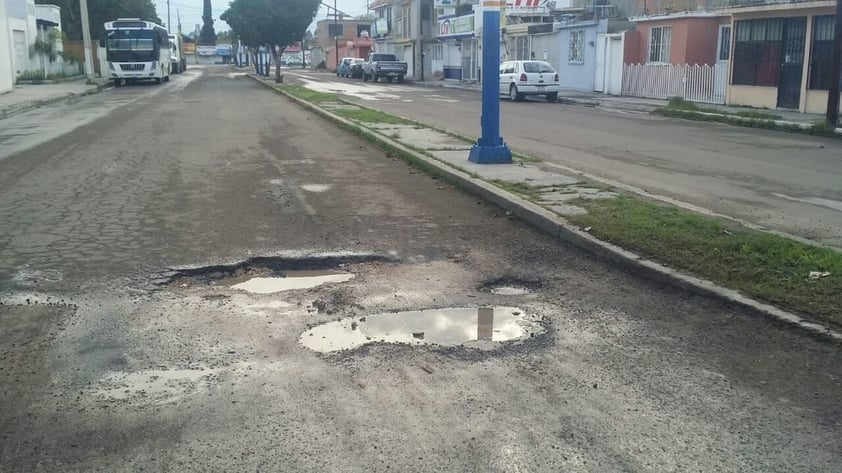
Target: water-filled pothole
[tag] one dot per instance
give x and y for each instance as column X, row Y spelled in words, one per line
column 287, row 281
column 448, row 327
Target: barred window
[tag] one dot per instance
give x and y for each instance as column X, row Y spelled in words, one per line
column 659, row 43
column 437, row 52
column 821, row 52
column 757, row 52
column 576, row 50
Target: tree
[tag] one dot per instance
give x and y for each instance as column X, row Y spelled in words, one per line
column 272, row 23
column 226, row 37
column 208, row 35
column 99, row 12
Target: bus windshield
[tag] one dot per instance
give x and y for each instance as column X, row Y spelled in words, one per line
column 130, row 45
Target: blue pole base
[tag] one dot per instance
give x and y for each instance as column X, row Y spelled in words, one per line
column 490, row 154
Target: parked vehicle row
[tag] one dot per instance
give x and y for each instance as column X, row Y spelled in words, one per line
column 378, row 66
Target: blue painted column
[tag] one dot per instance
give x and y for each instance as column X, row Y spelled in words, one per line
column 490, row 147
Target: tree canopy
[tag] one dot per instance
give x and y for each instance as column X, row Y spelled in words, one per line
column 270, row 22
column 99, row 12
column 273, row 23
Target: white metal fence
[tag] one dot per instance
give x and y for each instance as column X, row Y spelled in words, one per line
column 691, row 82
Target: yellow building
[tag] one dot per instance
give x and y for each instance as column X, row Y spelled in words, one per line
column 781, row 54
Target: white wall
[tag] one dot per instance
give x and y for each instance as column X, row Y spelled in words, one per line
column 20, row 15
column 7, row 78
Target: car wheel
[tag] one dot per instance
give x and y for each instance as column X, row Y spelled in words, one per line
column 389, row 79
column 553, row 97
column 400, row 79
column 118, row 83
column 513, row 95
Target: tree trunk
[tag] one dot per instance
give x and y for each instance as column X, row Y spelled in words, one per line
column 276, row 53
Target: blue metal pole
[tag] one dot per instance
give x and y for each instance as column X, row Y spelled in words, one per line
column 490, row 147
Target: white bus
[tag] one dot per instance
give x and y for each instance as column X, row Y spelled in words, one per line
column 137, row 50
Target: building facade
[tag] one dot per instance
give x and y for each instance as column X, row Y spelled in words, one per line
column 406, row 29
column 781, row 54
column 340, row 38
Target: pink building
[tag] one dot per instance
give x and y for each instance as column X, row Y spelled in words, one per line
column 681, row 38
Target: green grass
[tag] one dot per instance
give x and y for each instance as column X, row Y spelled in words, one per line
column 304, row 93
column 677, row 103
column 367, row 115
column 762, row 265
column 522, row 188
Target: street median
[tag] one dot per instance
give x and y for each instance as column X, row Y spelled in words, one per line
column 788, row 280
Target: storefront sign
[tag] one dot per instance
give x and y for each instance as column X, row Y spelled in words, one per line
column 529, row 7
column 460, row 25
column 206, row 50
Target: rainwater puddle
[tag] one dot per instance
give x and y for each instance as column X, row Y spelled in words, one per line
column 316, row 187
column 510, row 291
column 448, row 327
column 289, row 281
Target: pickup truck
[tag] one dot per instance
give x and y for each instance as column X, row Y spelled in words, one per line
column 381, row 65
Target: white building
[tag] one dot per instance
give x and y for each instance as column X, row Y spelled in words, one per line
column 22, row 31
column 7, row 76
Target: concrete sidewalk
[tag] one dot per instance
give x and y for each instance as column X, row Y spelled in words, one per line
column 26, row 97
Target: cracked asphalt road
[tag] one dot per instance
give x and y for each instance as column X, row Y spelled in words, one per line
column 109, row 364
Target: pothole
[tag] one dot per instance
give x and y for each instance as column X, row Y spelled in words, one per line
column 270, row 273
column 289, row 281
column 472, row 327
column 510, row 291
column 316, row 187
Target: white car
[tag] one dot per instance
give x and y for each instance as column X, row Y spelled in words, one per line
column 521, row 78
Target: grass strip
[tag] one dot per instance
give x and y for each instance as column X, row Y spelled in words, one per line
column 369, row 115
column 304, row 93
column 679, row 108
column 762, row 265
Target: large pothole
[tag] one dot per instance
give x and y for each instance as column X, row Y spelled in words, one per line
column 479, row 327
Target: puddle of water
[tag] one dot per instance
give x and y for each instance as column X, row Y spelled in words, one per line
column 510, row 291
column 449, row 327
column 315, row 187
column 290, row 281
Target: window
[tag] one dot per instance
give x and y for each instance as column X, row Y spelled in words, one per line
column 659, row 43
column 522, row 48
column 576, row 50
column 437, row 52
column 820, row 55
column 757, row 52
column 724, row 43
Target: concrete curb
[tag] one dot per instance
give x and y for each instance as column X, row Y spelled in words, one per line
column 779, row 125
column 33, row 104
column 564, row 231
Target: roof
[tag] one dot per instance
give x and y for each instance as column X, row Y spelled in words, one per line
column 677, row 16
column 378, row 3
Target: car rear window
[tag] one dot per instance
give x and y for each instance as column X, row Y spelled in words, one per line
column 383, row 57
column 537, row 67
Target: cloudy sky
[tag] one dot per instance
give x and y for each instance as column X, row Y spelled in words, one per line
column 191, row 11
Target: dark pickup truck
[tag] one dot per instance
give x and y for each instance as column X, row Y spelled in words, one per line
column 386, row 66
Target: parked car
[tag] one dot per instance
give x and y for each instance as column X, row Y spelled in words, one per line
column 357, row 68
column 383, row 66
column 344, row 69
column 521, row 78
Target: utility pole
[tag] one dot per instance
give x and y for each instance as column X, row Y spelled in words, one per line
column 86, row 39
column 832, row 116
column 336, row 38
column 169, row 18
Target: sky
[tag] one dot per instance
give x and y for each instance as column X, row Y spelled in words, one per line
column 191, row 12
